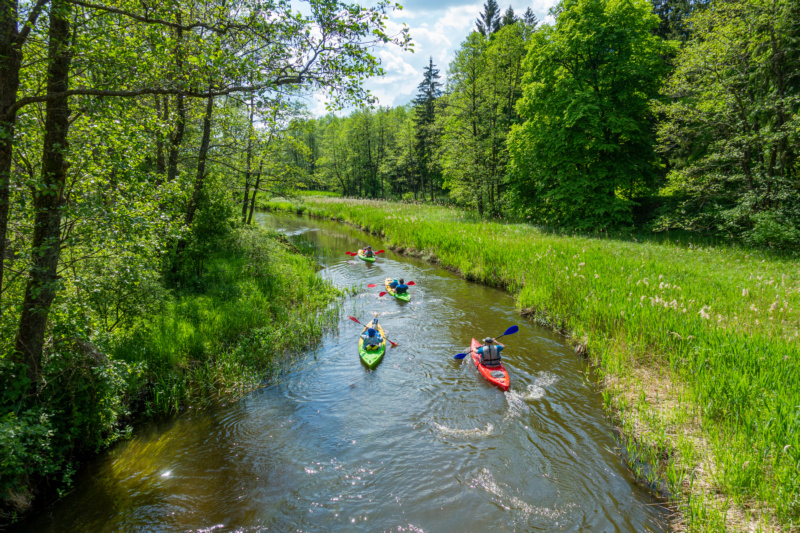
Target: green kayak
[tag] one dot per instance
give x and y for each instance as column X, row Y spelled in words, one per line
column 405, row 297
column 364, row 257
column 371, row 358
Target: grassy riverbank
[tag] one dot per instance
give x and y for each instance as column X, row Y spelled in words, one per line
column 697, row 345
column 221, row 329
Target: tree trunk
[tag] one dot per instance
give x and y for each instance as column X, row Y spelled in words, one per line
column 48, row 199
column 11, row 54
column 180, row 106
column 249, row 159
column 161, row 163
column 191, row 209
column 255, row 190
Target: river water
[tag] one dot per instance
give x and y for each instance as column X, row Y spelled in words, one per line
column 421, row 443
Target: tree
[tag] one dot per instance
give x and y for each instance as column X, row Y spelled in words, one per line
column 529, row 19
column 489, row 21
column 429, row 90
column 509, row 17
column 586, row 149
column 731, row 126
column 484, row 83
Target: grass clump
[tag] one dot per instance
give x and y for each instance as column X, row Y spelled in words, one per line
column 718, row 324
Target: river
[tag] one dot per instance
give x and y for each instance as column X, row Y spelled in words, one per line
column 421, row 443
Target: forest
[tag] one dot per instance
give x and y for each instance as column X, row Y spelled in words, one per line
column 632, row 116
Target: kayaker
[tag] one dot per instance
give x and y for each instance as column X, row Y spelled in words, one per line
column 393, row 284
column 490, row 352
column 368, row 252
column 401, row 287
column 370, row 334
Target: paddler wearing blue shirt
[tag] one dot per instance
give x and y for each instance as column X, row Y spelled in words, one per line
column 401, row 287
column 490, row 352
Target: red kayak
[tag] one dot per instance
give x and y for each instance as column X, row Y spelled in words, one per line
column 496, row 375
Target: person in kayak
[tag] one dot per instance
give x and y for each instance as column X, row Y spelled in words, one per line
column 393, row 285
column 370, row 335
column 490, row 352
column 401, row 287
column 368, row 252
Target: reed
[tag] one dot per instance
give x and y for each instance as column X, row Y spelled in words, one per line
column 696, row 343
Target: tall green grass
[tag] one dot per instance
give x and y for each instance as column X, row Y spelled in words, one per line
column 721, row 321
column 231, row 329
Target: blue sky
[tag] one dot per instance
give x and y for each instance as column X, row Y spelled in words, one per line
column 437, row 30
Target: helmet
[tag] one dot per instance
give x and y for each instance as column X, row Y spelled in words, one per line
column 372, row 332
column 369, row 247
column 487, row 340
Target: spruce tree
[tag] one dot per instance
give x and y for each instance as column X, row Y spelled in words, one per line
column 509, row 17
column 489, row 21
column 529, row 19
column 430, row 89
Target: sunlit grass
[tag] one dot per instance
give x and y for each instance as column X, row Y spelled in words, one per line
column 231, row 329
column 722, row 320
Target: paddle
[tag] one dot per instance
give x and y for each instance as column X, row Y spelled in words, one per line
column 509, row 331
column 355, row 254
column 354, row 319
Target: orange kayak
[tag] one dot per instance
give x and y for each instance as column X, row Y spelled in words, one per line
column 496, row 375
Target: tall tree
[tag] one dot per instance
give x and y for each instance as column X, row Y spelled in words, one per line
column 529, row 19
column 586, row 149
column 429, row 90
column 509, row 17
column 489, row 21
column 12, row 40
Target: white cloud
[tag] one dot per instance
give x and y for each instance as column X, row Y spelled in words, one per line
column 437, row 30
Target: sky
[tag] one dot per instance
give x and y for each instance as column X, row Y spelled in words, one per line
column 437, row 30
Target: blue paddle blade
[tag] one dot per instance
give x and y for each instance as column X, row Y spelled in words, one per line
column 460, row 356
column 512, row 329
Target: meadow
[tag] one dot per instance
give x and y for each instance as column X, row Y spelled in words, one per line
column 696, row 345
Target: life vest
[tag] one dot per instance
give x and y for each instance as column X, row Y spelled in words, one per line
column 401, row 289
column 490, row 355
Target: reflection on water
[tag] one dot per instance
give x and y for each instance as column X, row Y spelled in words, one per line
column 422, row 443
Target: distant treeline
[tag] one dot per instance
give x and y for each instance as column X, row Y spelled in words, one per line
column 676, row 114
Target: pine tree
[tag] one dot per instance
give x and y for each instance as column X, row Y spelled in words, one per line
column 430, row 89
column 489, row 21
column 509, row 17
column 529, row 19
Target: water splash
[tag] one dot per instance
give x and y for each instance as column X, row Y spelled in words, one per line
column 464, row 433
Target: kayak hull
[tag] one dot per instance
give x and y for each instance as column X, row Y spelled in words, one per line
column 371, row 358
column 496, row 375
column 364, row 257
column 402, row 297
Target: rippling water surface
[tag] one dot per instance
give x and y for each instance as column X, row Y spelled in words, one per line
column 422, row 443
